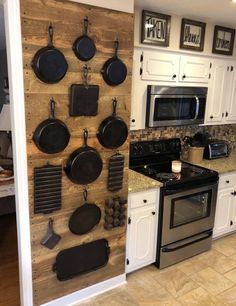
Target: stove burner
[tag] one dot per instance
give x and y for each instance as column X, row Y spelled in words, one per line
column 163, row 176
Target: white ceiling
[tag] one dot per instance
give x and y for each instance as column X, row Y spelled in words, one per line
column 222, row 12
column 2, row 29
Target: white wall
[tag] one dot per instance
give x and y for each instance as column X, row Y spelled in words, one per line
column 118, row 5
column 175, row 35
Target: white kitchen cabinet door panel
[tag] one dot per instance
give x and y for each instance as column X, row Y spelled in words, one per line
column 216, row 93
column 142, row 234
column 194, row 69
column 160, row 67
column 230, row 108
column 224, row 211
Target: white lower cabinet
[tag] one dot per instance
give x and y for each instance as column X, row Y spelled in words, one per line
column 225, row 216
column 142, row 229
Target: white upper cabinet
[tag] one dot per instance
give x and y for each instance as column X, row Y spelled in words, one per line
column 221, row 99
column 174, row 68
column 160, row 66
column 194, row 69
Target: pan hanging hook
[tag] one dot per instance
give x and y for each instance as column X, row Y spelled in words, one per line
column 85, row 75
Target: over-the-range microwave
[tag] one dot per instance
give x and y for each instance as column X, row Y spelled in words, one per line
column 171, row 106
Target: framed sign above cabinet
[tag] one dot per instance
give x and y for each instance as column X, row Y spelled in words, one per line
column 223, row 41
column 155, row 29
column 192, row 35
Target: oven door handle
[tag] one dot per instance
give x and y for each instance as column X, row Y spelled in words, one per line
column 197, row 108
column 173, row 249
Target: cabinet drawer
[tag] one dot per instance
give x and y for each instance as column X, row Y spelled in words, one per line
column 227, row 180
column 140, row 199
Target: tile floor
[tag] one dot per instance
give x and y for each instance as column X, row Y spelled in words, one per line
column 208, row 279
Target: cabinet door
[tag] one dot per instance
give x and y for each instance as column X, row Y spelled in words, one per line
column 224, row 210
column 216, row 92
column 194, row 69
column 230, row 108
column 142, row 236
column 160, row 67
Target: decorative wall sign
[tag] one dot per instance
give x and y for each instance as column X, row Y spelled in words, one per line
column 192, row 35
column 223, row 41
column 155, row 29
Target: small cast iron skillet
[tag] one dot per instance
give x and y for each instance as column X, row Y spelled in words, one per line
column 113, row 131
column 114, row 71
column 84, row 218
column 51, row 135
column 84, row 165
column 84, row 47
column 49, row 63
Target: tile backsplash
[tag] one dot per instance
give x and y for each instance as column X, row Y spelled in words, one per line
column 222, row 132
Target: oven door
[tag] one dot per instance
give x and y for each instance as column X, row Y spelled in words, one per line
column 176, row 110
column 187, row 213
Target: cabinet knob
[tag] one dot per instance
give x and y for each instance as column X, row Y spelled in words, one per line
column 133, row 120
column 184, row 76
column 226, row 114
column 231, row 68
column 227, row 182
column 211, row 117
column 233, row 193
column 144, row 201
column 223, row 115
column 153, row 212
column 174, row 76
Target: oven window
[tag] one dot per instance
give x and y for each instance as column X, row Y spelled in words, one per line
column 174, row 108
column 190, row 208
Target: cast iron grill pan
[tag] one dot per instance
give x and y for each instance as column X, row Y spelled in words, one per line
column 47, row 189
column 81, row 259
column 83, row 100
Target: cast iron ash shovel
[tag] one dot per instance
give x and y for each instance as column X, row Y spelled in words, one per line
column 51, row 238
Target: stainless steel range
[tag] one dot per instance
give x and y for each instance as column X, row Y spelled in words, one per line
column 187, row 200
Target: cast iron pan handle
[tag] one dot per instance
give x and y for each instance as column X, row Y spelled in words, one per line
column 50, row 35
column 52, row 108
column 85, row 194
column 114, row 105
column 85, row 137
column 86, row 23
column 116, row 42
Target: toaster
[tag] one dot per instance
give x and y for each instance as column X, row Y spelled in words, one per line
column 216, row 149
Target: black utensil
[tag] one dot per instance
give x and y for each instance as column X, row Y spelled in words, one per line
column 84, row 97
column 49, row 64
column 51, row 136
column 114, row 71
column 84, row 218
column 84, row 47
column 47, row 189
column 51, row 238
column 113, row 131
column 84, row 164
column 81, row 259
column 115, row 172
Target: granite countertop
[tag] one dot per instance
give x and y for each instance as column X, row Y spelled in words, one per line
column 221, row 165
column 139, row 182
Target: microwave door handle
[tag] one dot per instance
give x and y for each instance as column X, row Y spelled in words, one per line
column 197, row 108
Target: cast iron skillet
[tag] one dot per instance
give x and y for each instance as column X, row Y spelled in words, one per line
column 49, row 64
column 51, row 135
column 113, row 131
column 84, row 165
column 114, row 71
column 84, row 47
column 85, row 217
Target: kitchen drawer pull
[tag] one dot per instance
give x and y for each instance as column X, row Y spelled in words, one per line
column 227, row 182
column 233, row 193
column 184, row 76
column 153, row 212
column 174, row 76
column 144, row 201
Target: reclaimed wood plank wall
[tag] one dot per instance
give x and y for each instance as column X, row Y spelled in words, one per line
column 106, row 25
